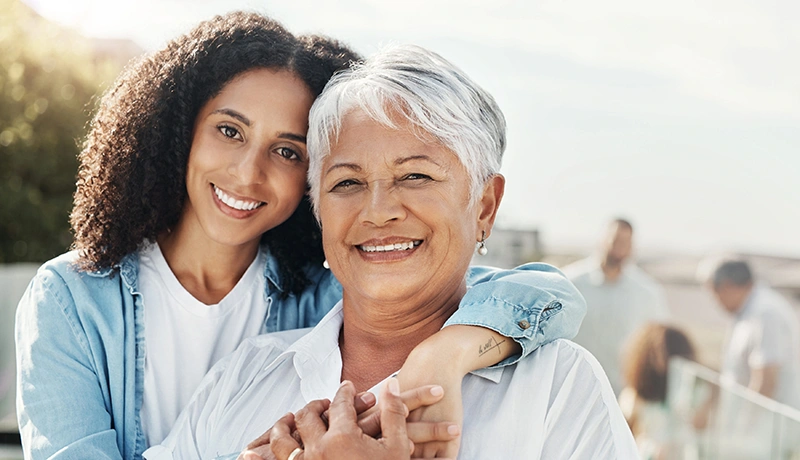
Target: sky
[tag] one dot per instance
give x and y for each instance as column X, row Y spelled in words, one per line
column 682, row 116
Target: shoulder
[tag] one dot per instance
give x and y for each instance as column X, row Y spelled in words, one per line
column 59, row 289
column 261, row 350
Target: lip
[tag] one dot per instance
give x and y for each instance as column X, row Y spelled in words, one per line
column 388, row 256
column 232, row 212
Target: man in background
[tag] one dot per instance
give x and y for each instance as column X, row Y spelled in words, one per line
column 620, row 299
column 762, row 347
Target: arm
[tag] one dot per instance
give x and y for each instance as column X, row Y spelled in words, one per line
column 505, row 315
column 532, row 304
column 61, row 401
column 764, row 379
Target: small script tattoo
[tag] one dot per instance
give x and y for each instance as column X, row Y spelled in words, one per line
column 490, row 345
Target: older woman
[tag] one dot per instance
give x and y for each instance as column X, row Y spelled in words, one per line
column 405, row 152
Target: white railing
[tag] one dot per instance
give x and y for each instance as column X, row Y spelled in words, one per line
column 715, row 418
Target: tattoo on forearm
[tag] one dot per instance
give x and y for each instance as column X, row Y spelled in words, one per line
column 490, row 345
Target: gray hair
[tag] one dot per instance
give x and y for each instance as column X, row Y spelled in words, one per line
column 733, row 271
column 436, row 97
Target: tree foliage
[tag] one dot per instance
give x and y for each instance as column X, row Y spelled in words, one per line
column 48, row 82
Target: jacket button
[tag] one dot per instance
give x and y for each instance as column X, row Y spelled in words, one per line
column 524, row 324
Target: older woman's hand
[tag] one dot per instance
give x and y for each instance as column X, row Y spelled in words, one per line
column 343, row 438
column 369, row 422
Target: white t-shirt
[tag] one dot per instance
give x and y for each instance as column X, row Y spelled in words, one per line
column 614, row 311
column 766, row 332
column 554, row 404
column 184, row 337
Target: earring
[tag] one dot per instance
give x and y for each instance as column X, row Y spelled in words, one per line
column 325, row 264
column 482, row 244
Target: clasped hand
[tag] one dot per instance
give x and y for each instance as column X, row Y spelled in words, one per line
column 347, row 429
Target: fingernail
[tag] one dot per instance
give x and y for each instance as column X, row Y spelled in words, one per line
column 437, row 390
column 453, row 430
column 368, row 398
column 344, row 382
column 394, row 387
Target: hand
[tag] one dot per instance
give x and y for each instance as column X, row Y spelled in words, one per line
column 369, row 421
column 344, row 439
column 445, row 358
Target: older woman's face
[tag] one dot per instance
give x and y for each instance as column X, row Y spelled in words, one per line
column 395, row 213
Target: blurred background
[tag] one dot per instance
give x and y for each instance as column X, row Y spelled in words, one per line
column 683, row 117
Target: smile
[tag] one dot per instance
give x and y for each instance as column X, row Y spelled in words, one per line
column 241, row 205
column 391, row 247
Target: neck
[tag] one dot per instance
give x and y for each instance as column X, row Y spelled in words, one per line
column 611, row 271
column 377, row 337
column 208, row 274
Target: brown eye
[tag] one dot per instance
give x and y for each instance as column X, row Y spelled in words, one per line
column 229, row 131
column 288, row 153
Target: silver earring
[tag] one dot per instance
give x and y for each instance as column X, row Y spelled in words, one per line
column 482, row 244
column 325, row 264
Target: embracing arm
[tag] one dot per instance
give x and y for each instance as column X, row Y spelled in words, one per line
column 504, row 316
column 61, row 407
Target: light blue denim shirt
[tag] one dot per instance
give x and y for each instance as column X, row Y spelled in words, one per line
column 81, row 349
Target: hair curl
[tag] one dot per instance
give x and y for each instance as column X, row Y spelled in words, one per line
column 647, row 359
column 131, row 183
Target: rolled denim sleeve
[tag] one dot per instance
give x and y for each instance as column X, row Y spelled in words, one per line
column 56, row 381
column 533, row 304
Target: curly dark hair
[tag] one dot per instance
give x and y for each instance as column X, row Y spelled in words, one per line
column 131, row 183
column 647, row 359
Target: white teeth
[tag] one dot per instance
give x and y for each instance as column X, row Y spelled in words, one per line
column 234, row 203
column 391, row 247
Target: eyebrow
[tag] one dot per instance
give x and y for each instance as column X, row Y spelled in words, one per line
column 234, row 114
column 351, row 166
column 422, row 157
column 292, row 137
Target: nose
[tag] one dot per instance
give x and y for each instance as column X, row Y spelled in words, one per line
column 382, row 204
column 249, row 166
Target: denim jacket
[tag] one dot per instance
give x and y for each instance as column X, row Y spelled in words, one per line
column 81, row 349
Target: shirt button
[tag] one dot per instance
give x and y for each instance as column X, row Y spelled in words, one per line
column 524, row 324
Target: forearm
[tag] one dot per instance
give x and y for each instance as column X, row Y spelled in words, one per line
column 764, row 380
column 532, row 304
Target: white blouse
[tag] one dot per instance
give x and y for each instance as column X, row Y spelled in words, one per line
column 555, row 404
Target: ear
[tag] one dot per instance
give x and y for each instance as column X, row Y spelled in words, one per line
column 490, row 203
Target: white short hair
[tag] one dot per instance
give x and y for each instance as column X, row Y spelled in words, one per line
column 429, row 92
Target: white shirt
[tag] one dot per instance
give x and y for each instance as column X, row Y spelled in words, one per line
column 555, row 404
column 614, row 311
column 765, row 332
column 185, row 337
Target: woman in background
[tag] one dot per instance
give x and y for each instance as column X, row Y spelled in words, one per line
column 643, row 400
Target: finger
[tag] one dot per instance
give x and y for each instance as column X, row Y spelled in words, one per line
column 364, row 401
column 415, row 398
column 422, row 396
column 393, row 417
column 309, row 421
column 281, row 441
column 260, row 441
column 342, row 413
column 422, row 432
column 258, row 453
column 371, row 424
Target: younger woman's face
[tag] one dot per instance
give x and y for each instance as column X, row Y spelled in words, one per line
column 247, row 165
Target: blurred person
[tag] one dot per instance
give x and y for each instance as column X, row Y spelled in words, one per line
column 193, row 232
column 643, row 400
column 620, row 299
column 762, row 347
column 405, row 152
